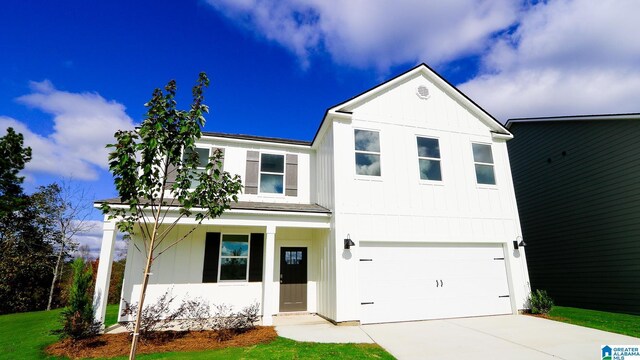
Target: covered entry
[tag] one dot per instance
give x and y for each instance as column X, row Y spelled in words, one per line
column 403, row 282
column 293, row 279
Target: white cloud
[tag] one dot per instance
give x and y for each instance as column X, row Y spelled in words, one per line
column 551, row 58
column 565, row 58
column 93, row 240
column 83, row 124
column 375, row 33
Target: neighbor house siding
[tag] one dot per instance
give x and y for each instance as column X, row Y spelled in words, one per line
column 577, row 186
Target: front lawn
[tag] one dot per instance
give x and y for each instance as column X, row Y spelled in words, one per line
column 614, row 322
column 282, row 348
column 24, row 336
column 112, row 315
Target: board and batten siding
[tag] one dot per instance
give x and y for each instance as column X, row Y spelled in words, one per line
column 239, row 153
column 399, row 207
column 577, row 185
column 323, row 194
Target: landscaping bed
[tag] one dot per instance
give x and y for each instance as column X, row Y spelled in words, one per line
column 113, row 345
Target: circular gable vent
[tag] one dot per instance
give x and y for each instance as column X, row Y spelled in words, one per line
column 422, row 92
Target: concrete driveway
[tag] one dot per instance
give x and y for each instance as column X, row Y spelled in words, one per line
column 493, row 337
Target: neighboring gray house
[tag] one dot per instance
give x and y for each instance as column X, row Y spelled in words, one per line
column 577, row 184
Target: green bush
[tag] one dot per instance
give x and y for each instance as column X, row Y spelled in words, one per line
column 77, row 317
column 540, row 301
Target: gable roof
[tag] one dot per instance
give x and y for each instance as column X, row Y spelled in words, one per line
column 346, row 107
column 595, row 117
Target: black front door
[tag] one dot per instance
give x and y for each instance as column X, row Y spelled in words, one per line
column 293, row 279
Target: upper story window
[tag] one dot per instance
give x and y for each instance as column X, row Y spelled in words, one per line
column 203, row 160
column 429, row 159
column 483, row 161
column 367, row 146
column 234, row 257
column 272, row 173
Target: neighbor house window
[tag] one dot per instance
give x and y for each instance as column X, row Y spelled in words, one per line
column 234, row 257
column 483, row 161
column 367, row 146
column 429, row 159
column 203, row 160
column 272, row 173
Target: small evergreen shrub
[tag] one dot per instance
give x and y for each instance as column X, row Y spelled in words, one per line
column 540, row 302
column 77, row 317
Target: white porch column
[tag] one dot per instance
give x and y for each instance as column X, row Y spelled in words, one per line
column 103, row 277
column 268, row 286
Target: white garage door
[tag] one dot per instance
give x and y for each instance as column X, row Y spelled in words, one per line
column 417, row 281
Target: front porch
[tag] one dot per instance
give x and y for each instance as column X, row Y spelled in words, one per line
column 268, row 257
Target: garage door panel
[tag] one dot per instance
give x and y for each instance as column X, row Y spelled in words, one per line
column 418, row 281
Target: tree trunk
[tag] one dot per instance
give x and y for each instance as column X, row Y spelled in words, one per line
column 136, row 330
column 55, row 277
column 145, row 282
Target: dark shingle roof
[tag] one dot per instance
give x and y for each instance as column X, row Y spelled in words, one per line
column 257, row 138
column 258, row 206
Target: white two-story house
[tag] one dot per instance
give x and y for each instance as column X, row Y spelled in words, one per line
column 401, row 208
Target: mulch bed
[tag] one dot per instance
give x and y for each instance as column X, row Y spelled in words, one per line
column 112, row 345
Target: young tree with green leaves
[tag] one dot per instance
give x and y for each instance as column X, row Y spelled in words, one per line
column 155, row 169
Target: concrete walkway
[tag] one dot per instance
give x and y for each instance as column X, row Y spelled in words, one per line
column 493, row 337
column 313, row 328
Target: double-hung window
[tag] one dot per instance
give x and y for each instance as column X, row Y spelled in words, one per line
column 203, row 160
column 272, row 173
column 483, row 161
column 429, row 159
column 367, row 148
column 234, row 257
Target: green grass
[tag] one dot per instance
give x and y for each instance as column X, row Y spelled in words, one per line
column 112, row 315
column 614, row 322
column 25, row 335
column 283, row 348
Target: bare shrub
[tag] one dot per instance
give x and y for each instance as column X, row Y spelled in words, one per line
column 197, row 315
column 155, row 317
column 247, row 318
column 192, row 314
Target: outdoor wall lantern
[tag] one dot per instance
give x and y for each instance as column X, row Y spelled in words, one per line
column 348, row 243
column 517, row 243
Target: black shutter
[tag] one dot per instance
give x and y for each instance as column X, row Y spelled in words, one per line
column 256, row 254
column 211, row 258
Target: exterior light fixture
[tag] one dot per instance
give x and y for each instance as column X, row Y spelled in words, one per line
column 518, row 242
column 348, row 243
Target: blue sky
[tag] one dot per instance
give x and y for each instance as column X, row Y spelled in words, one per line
column 75, row 71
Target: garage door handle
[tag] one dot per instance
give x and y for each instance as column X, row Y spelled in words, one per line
column 503, row 296
column 440, row 284
column 366, row 303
